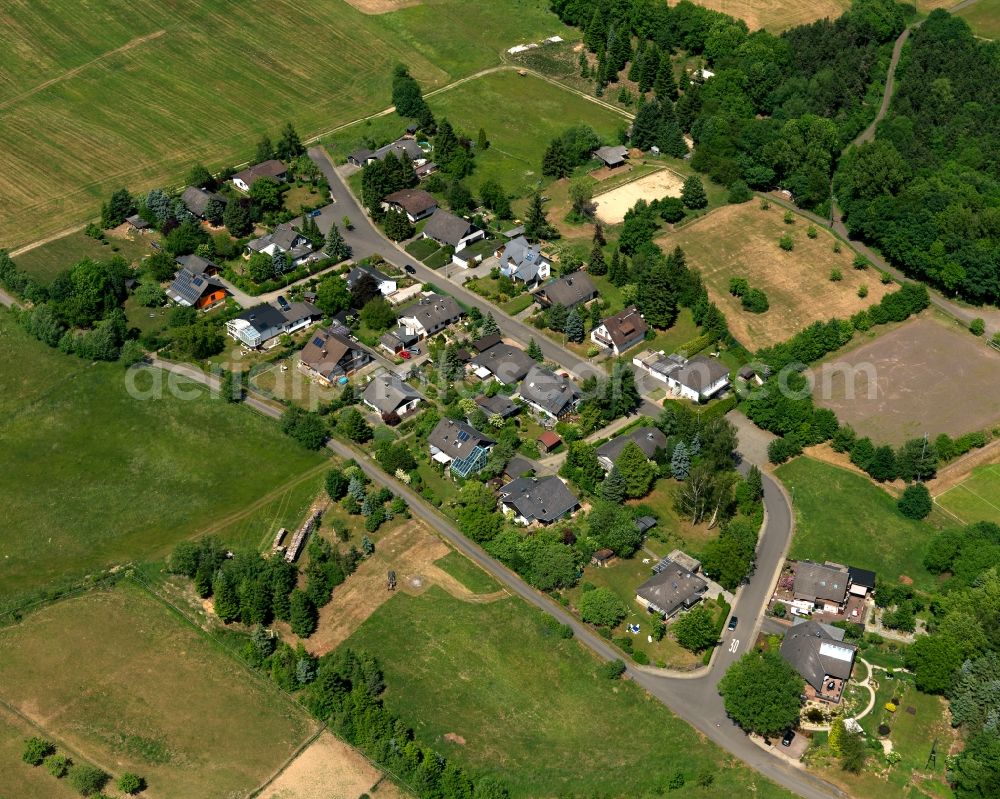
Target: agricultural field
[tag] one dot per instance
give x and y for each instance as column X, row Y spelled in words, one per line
column 983, row 17
column 778, row 15
column 115, row 95
column 926, row 376
column 841, row 516
column 96, row 477
column 129, row 686
column 976, row 498
column 20, row 780
column 742, row 241
column 475, row 681
column 48, row 260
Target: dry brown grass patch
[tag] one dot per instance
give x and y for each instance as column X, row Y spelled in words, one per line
column 777, row 15
column 612, row 205
column 382, row 6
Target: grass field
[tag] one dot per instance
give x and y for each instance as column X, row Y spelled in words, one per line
column 777, row 15
column 92, row 101
column 48, row 260
column 925, row 376
column 486, row 674
column 130, row 686
column 841, row 516
column 19, row 779
column 467, row 573
column 95, row 477
column 984, row 18
column 742, row 241
column 976, row 498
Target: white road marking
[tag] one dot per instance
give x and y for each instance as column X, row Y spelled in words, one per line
column 734, row 645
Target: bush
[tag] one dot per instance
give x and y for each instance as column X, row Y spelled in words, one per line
column 87, row 779
column 755, row 301
column 781, row 449
column 915, row 503
column 811, row 232
column 602, row 608
column 612, row 670
column 836, row 275
column 739, row 192
column 58, row 765
column 130, row 783
column 863, row 290
column 977, row 327
column 860, row 262
column 36, row 750
column 786, row 243
column 789, row 218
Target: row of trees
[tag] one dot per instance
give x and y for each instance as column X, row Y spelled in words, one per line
column 85, row 779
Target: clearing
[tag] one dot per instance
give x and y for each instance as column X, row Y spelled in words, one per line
column 778, row 15
column 48, row 260
column 118, row 103
column 926, row 376
column 382, row 6
column 983, row 17
column 843, row 517
column 976, row 498
column 611, row 206
column 742, row 241
column 412, row 551
column 485, row 674
column 130, row 686
column 96, row 477
column 331, row 769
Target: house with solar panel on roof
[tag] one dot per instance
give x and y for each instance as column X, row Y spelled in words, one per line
column 460, row 446
column 820, row 654
column 330, row 357
column 195, row 285
column 262, row 326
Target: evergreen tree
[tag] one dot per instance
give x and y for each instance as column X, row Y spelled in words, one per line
column 669, row 138
column 336, row 247
column 755, row 483
column 265, row 150
column 646, row 126
column 693, row 193
column 636, row 469
column 303, row 616
column 648, row 68
column 615, row 274
column 657, row 300
column 490, row 326
column 555, row 161
column 695, row 446
column 664, row 85
column 446, row 144
column 597, row 265
column 613, row 486
column 397, row 226
column 635, row 67
column 883, row 464
column 556, row 316
column 915, row 503
column 534, row 351
column 289, row 145
column 596, row 32
column 574, row 326
column 680, row 462
column 481, row 141
column 598, row 237
column 238, row 217
column 225, row 598
column 536, row 225
column 584, row 65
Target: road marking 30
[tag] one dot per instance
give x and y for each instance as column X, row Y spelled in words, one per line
column 734, row 645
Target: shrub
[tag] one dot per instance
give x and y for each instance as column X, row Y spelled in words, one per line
column 602, row 608
column 36, row 750
column 738, row 286
column 755, row 301
column 58, row 765
column 836, row 246
column 863, row 290
column 781, row 449
column 811, row 232
column 977, row 327
column 789, row 218
column 860, row 262
column 886, row 278
column 764, row 204
column 130, row 783
column 786, row 243
column 739, row 192
column 612, row 670
column 915, row 503
column 87, row 779
column 836, row 275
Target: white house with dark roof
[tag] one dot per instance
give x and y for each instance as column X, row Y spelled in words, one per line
column 696, row 379
column 261, row 326
column 819, row 653
column 502, row 362
column 451, row 231
column 620, row 332
column 386, row 285
column 521, row 261
column 417, row 204
column 537, row 500
column 430, row 314
column 460, row 446
column 388, row 393
column 672, row 588
column 571, row 290
column 648, row 439
column 330, row 356
column 197, row 200
column 550, row 395
column 272, row 169
column 284, row 239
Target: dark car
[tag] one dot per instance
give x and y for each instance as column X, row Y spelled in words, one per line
column 283, row 304
column 733, row 622
column 787, row 738
column 409, row 270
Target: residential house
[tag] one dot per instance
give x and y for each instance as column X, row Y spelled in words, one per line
column 429, row 315
column 198, row 265
column 693, row 565
column 425, row 170
column 388, row 393
column 386, row 285
column 285, row 239
column 862, row 581
column 498, row 405
column 571, row 290
column 330, row 356
column 460, row 445
column 621, row 332
column 505, row 363
column 820, row 654
column 821, row 586
column 397, row 340
column 549, row 394
column 361, row 156
column 261, row 326
column 540, row 500
column 648, row 439
column 671, row 588
column 196, row 200
column 524, row 262
column 518, row 466
column 697, row 379
column 404, row 145
column 196, row 289
column 417, row 204
column 273, row 169
column 453, row 231
column 612, row 156
column 484, row 343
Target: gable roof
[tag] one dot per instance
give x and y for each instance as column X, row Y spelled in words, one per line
column 358, row 272
column 648, row 439
column 284, row 238
column 507, row 363
column 409, row 147
column 612, row 155
column 188, row 287
column 526, row 258
column 197, row 199
column 387, row 391
column 518, row 466
column 672, row 588
column 548, row 390
column 569, row 290
column 433, row 311
column 498, row 403
column 700, row 373
column 820, row 581
column 446, row 228
column 456, row 439
column 817, row 651
column 326, row 349
column 626, row 326
column 542, row 499
column 269, row 316
column 197, row 264
column 414, row 201
column 485, row 342
column 266, row 169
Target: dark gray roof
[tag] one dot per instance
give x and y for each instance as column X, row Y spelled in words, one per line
column 817, row 651
column 266, row 169
column 819, row 581
column 362, row 155
column 387, row 391
column 612, row 155
column 645, row 523
column 498, row 404
column 699, row 373
column 407, row 146
column 188, row 286
column 358, row 271
column 569, row 290
column 861, row 577
column 456, row 439
column 434, row 311
column 484, row 343
column 548, row 390
column 672, row 588
column 542, row 499
column 446, row 228
column 522, row 258
column 195, row 263
column 398, row 338
column 649, row 439
column 197, row 200
column 137, row 222
column 518, row 466
column 507, row 363
column 268, row 316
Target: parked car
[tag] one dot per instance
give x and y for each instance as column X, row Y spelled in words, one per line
column 315, row 213
column 283, row 304
column 787, row 738
column 732, row 623
column 413, row 350
column 404, row 354
column 409, row 269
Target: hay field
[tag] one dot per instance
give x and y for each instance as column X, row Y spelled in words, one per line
column 132, row 93
column 742, row 241
column 130, row 686
column 777, row 15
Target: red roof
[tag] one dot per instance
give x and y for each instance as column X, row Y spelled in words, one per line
column 548, row 439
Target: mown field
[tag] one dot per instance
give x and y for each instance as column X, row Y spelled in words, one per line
column 983, row 17
column 742, row 241
column 777, row 15
column 131, row 93
column 48, row 260
column 485, row 673
column 976, row 498
column 841, row 516
column 94, row 477
column 130, row 686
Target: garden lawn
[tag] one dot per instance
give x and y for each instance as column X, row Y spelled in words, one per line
column 487, row 673
column 131, row 686
column 119, row 103
column 673, row 530
column 48, row 260
column 841, row 516
column 94, row 477
column 467, row 573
